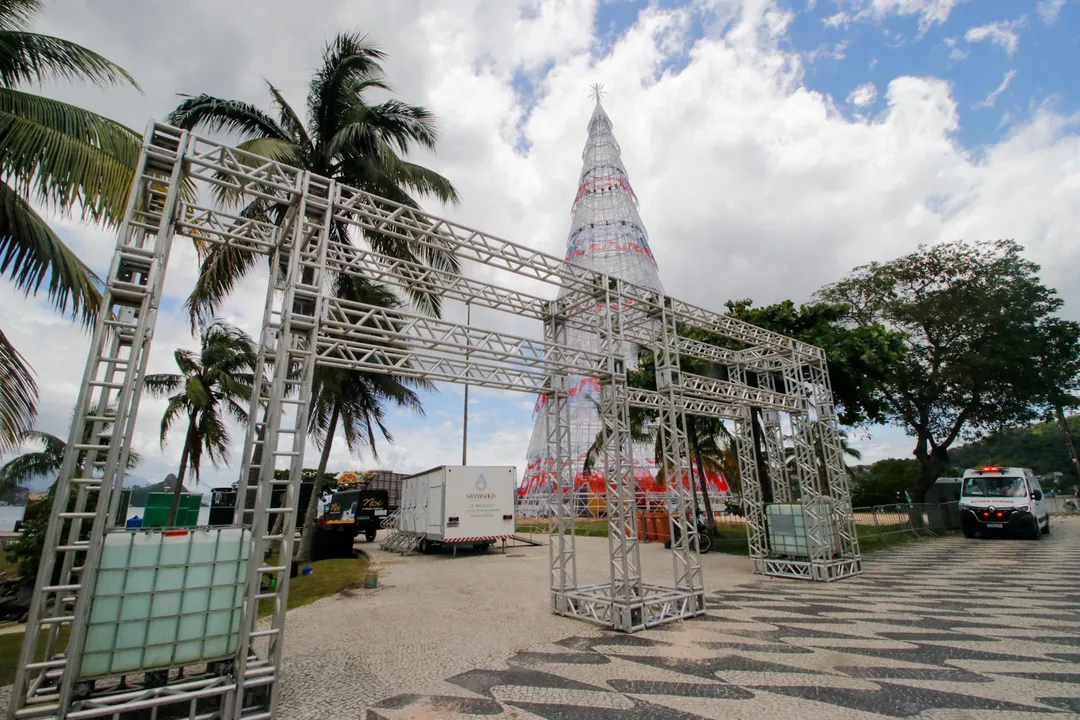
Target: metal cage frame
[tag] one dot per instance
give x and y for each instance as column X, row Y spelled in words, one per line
column 304, row 324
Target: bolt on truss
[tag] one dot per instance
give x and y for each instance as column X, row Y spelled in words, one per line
column 774, row 388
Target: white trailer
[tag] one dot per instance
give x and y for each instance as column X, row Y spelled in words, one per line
column 459, row 505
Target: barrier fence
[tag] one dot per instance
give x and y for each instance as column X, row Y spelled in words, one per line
column 875, row 525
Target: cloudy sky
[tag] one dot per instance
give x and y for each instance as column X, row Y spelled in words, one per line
column 773, row 144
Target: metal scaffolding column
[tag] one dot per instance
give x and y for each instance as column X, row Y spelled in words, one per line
column 289, row 355
column 95, row 458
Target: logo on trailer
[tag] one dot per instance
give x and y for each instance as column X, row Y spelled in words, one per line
column 481, row 483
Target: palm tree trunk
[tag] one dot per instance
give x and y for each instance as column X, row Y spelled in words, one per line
column 1059, row 414
column 695, row 446
column 304, row 554
column 192, row 436
column 760, row 461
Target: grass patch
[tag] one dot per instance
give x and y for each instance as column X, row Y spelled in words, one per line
column 11, row 646
column 329, row 577
column 583, row 527
column 6, row 566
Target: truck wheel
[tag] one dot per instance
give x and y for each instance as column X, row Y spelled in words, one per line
column 482, row 547
column 370, row 535
column 423, row 547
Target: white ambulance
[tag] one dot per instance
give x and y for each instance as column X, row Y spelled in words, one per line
column 1003, row 500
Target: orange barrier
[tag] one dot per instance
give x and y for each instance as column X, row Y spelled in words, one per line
column 663, row 527
column 656, row 526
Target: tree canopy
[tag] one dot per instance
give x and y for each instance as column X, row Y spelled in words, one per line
column 859, row 356
column 65, row 159
column 975, row 318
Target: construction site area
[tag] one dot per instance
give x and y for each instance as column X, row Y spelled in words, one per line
column 613, row 575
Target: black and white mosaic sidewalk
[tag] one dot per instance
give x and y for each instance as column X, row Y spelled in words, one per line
column 946, row 629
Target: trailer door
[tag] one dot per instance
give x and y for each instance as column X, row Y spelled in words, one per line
column 435, row 503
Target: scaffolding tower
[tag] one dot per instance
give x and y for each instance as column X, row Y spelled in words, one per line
column 518, row 341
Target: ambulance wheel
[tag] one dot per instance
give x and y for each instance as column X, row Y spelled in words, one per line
column 1046, row 530
column 482, row 547
column 370, row 535
column 1034, row 532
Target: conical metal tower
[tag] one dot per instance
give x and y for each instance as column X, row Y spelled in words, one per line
column 606, row 235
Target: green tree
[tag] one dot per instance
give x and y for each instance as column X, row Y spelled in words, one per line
column 347, row 138
column 1060, row 365
column 973, row 317
column 859, row 356
column 212, row 385
column 63, row 158
column 355, row 402
column 884, row 482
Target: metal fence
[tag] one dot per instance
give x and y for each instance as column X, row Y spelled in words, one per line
column 1057, row 504
column 884, row 523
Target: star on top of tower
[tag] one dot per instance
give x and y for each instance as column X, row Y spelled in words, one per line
column 598, row 91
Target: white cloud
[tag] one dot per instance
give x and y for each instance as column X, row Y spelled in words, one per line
column 993, row 96
column 929, row 12
column 751, row 185
column 863, row 95
column 1049, row 10
column 1002, row 33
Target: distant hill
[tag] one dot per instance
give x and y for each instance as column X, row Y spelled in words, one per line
column 1038, row 446
column 14, row 496
column 139, row 494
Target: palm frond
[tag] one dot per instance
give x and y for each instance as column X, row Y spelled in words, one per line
column 162, row 384
column 27, row 468
column 18, row 396
column 401, row 125
column 349, row 58
column 232, row 116
column 283, row 151
column 222, row 268
column 31, row 58
column 65, row 156
column 30, row 251
column 177, row 408
column 289, row 120
column 422, row 181
column 214, row 436
column 33, row 465
column 237, row 411
column 18, row 14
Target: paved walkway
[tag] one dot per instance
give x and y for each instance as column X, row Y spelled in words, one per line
column 945, row 630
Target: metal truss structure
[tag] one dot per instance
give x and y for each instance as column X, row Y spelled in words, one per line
column 783, row 381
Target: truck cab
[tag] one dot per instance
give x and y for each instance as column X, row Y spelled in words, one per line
column 1002, row 500
column 350, row 513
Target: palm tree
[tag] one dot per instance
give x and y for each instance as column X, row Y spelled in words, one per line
column 354, row 400
column 44, row 463
column 346, row 139
column 60, row 157
column 212, row 385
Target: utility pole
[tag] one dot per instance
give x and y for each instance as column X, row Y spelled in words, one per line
column 465, row 410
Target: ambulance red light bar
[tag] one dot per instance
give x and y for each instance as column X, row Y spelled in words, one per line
column 990, row 468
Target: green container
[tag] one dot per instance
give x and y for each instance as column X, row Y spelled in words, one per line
column 159, row 504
